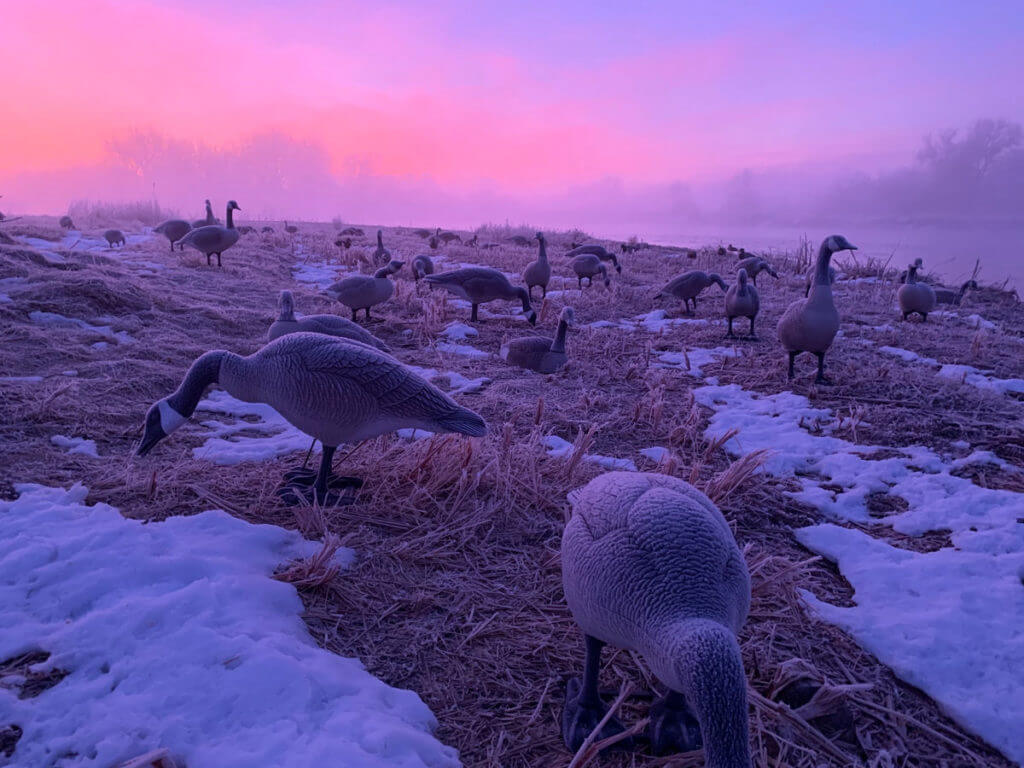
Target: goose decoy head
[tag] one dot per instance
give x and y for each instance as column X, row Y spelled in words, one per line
column 539, row 236
column 714, row 277
column 741, row 276
column 161, row 420
column 568, row 315
column 286, row 304
column 233, row 205
column 839, row 243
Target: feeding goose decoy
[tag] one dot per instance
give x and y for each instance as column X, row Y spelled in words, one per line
column 210, row 218
column 363, row 291
column 519, row 240
column 114, row 237
column 539, row 353
column 538, row 272
column 446, row 237
column 587, row 265
column 811, row 324
column 755, row 265
column 650, row 565
column 422, row 266
column 66, row 222
column 331, row 325
column 596, row 250
column 915, row 297
column 689, row 285
column 174, row 230
column 335, row 390
column 213, row 238
column 741, row 300
column 949, row 296
column 479, row 285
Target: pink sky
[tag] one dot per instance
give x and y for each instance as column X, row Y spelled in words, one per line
column 517, row 99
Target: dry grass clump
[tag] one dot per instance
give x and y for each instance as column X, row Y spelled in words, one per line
column 95, row 214
column 77, row 294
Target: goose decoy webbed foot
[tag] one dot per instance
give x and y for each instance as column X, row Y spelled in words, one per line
column 673, row 728
column 581, row 716
column 299, row 487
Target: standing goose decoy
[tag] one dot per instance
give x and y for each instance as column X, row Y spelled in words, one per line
column 330, row 325
column 949, row 296
column 291, row 229
column 915, row 297
column 335, row 390
column 114, row 237
column 689, row 285
column 596, row 250
column 424, row 233
column 433, row 243
column 811, row 324
column 479, row 285
column 538, row 272
column 210, row 218
column 362, row 291
column 174, row 230
column 809, row 279
column 422, row 266
column 650, row 565
column 754, row 266
column 539, row 353
column 587, row 265
column 66, row 222
column 741, row 300
column 213, row 238
column 519, row 240
column 446, row 236
column 381, row 255
column 472, row 242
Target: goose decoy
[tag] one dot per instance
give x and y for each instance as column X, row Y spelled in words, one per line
column 519, row 240
column 689, row 285
column 733, row 249
column 490, row 246
column 538, row 272
column 472, row 242
column 210, row 218
column 915, row 297
column 596, row 250
column 741, row 300
column 721, row 250
column 362, row 291
column 344, row 242
column 424, row 233
column 586, row 266
column 114, row 237
column 335, row 390
column 949, row 296
column 174, row 230
column 354, row 231
column 213, row 238
column 267, row 230
column 809, row 279
column 446, row 237
column 291, row 229
column 755, row 265
column 811, row 324
column 245, row 229
column 539, row 353
column 650, row 565
column 331, row 325
column 422, row 266
column 66, row 222
column 433, row 243
column 381, row 255
column 479, row 285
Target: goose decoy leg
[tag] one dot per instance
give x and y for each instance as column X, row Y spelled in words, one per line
column 218, row 260
column 583, row 706
column 792, row 357
column 730, row 334
column 209, row 262
column 472, row 317
column 751, row 335
column 820, row 378
column 367, row 313
column 304, row 486
column 673, row 728
column 355, row 315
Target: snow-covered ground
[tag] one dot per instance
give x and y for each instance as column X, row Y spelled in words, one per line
column 174, row 635
column 654, row 321
column 950, row 622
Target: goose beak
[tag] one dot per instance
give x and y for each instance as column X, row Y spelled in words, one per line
column 149, row 439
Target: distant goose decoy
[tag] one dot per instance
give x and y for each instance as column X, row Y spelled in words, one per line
column 114, row 237
column 362, row 291
column 291, row 229
column 433, row 243
column 587, row 265
column 538, row 272
column 330, row 325
column 949, row 296
column 539, row 353
column 809, row 279
column 213, row 238
column 915, row 297
column 267, row 230
column 335, row 390
column 479, row 285
column 472, row 242
column 811, row 324
column 66, row 222
column 355, row 231
column 174, row 230
column 446, row 237
column 422, row 266
column 519, row 240
column 245, row 229
column 755, row 265
column 424, row 233
column 650, row 565
column 344, row 242
column 381, row 255
column 210, row 218
column 741, row 300
column 689, row 285
column 596, row 250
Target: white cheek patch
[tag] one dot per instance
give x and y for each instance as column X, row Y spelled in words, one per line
column 170, row 419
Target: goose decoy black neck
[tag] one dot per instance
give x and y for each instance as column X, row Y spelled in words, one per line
column 173, row 411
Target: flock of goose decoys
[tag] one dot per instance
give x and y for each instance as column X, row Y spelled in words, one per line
column 649, row 563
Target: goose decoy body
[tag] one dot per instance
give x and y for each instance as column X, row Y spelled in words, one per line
column 210, row 218
column 114, row 237
column 811, row 324
column 354, row 231
column 915, row 297
column 344, row 242
column 479, row 285
column 949, row 296
column 446, row 236
column 587, row 265
column 424, row 233
column 538, row 272
column 213, row 238
column 381, row 255
column 690, row 284
column 362, row 291
column 596, row 250
column 539, row 353
column 519, row 240
column 174, row 230
column 335, row 390
column 291, row 229
column 490, row 246
column 267, row 230
column 809, row 279
column 755, row 265
column 331, row 325
column 650, row 565
column 472, row 242
column 741, row 300
column 422, row 266
column 66, row 222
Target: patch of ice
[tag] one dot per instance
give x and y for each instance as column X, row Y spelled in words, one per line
column 693, row 361
column 99, row 345
column 968, row 374
column 69, row 372
column 5, row 299
column 977, row 321
column 414, row 434
column 60, row 321
column 461, row 349
column 175, row 635
column 76, row 445
column 655, row 453
column 457, row 331
column 21, row 378
column 560, row 448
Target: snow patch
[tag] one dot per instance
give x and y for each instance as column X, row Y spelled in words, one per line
column 76, row 445
column 60, row 321
column 461, row 349
column 560, row 448
column 694, row 360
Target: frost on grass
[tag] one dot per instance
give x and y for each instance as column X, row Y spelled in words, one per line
column 76, row 445
column 560, row 448
column 175, row 635
column 946, row 621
